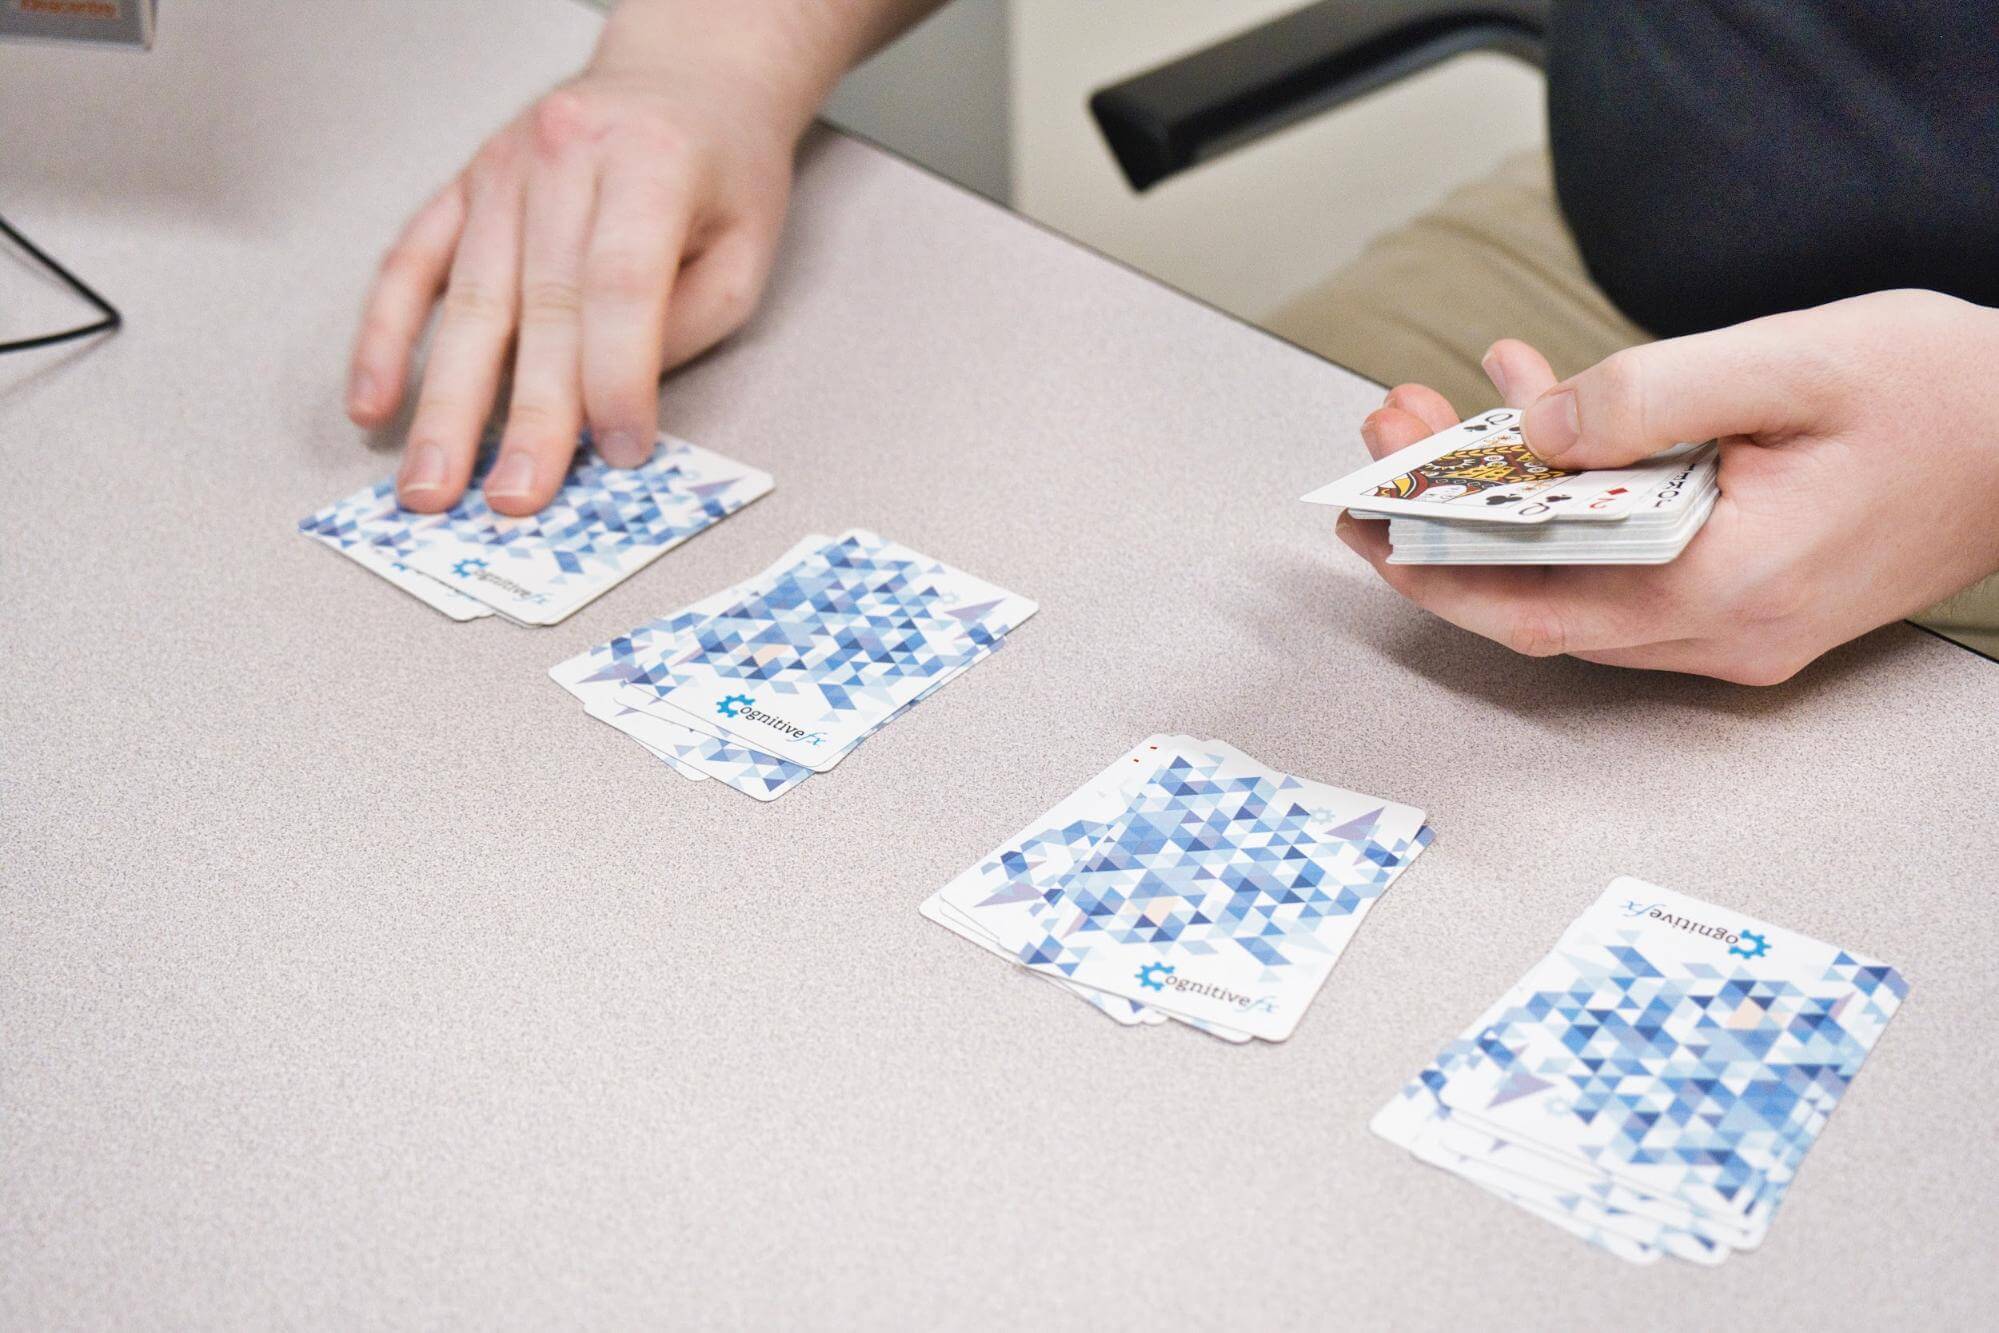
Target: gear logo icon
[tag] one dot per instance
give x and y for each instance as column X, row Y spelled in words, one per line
column 1152, row 975
column 1742, row 947
column 734, row 704
column 467, row 567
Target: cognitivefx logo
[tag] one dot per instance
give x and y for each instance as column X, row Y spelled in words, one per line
column 1743, row 944
column 1750, row 937
column 744, row 707
column 471, row 567
column 1164, row 976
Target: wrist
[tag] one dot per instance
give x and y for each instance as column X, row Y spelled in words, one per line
column 781, row 57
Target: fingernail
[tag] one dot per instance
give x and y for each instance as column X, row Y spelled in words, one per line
column 1552, row 424
column 621, row 448
column 512, row 478
column 1494, row 371
column 361, row 390
column 1370, row 435
column 1344, row 528
column 424, row 469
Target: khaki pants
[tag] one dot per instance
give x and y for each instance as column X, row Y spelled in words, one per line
column 1496, row 261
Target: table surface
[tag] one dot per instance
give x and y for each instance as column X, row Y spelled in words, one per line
column 348, row 973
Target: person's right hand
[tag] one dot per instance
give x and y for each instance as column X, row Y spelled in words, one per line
column 620, row 225
column 1859, row 479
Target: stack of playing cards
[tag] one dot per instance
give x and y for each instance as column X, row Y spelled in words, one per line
column 1652, row 1084
column 782, row 676
column 603, row 526
column 1476, row 495
column 1188, row 881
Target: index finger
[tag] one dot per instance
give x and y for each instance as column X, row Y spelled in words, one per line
column 412, row 273
column 467, row 353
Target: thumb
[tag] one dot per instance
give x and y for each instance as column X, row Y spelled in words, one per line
column 1747, row 379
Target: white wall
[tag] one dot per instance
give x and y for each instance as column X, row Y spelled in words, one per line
column 941, row 96
column 1252, row 228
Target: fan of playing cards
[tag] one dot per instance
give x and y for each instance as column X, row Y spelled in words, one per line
column 1188, row 881
column 1652, row 1084
column 603, row 526
column 1476, row 495
column 784, row 675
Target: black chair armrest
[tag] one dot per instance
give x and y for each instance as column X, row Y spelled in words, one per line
column 1209, row 103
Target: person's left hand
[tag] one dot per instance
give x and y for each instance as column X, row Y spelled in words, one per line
column 1859, row 484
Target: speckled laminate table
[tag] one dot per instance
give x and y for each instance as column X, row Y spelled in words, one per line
column 350, row 976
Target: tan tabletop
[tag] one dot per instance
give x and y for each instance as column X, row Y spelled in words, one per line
column 350, row 975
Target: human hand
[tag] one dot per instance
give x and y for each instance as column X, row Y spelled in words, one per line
column 1859, row 478
column 622, row 224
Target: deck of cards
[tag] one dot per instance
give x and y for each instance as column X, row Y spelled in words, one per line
column 1189, row 882
column 784, row 675
column 1476, row 495
column 603, row 526
column 1653, row 1083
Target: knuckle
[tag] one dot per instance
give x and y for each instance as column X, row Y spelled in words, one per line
column 1826, row 375
column 620, row 275
column 1613, row 403
column 475, row 302
column 1758, row 670
column 735, row 302
column 379, row 326
column 655, row 194
column 1919, row 304
column 657, row 138
column 1536, row 633
column 402, row 260
column 532, row 421
column 550, row 301
column 560, row 120
column 435, row 409
column 1767, row 603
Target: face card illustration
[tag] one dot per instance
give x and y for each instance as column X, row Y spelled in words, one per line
column 1492, row 462
column 1481, row 470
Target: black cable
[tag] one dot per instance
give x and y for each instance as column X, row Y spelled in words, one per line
column 112, row 319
